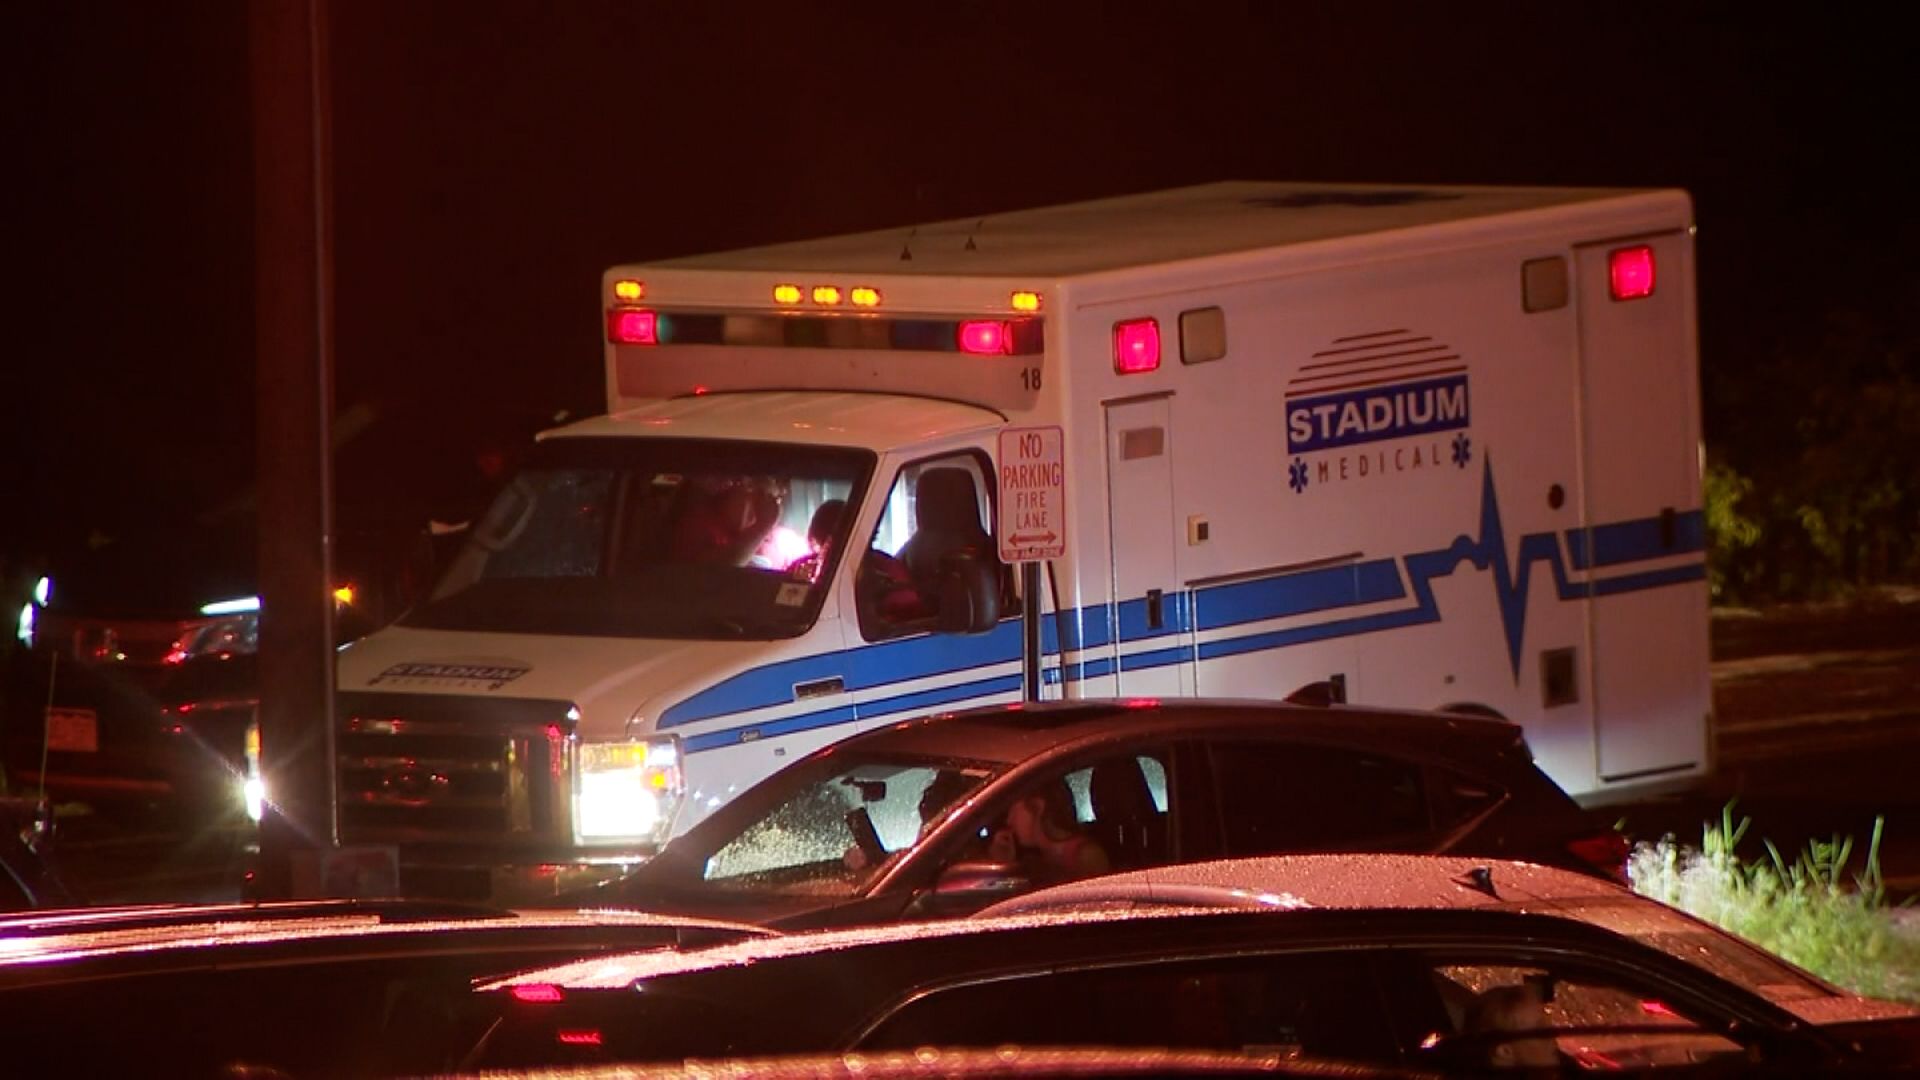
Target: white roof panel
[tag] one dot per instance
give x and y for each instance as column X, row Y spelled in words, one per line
column 1142, row 230
column 874, row 421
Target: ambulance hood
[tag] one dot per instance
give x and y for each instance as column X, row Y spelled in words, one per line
column 610, row 680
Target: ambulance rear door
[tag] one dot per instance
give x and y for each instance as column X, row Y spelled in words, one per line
column 1642, row 548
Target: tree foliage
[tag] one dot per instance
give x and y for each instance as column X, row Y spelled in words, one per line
column 1813, row 483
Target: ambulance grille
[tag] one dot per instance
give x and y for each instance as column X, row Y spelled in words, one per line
column 432, row 769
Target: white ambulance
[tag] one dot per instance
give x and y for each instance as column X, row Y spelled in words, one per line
column 1431, row 447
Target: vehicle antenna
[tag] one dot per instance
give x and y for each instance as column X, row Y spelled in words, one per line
column 1480, row 879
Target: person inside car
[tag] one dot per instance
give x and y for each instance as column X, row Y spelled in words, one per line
column 884, row 583
column 820, row 527
column 1042, row 837
column 725, row 521
column 1513, row 1028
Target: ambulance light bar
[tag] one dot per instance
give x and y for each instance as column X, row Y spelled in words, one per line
column 985, row 337
column 633, row 326
column 789, row 295
column 789, row 329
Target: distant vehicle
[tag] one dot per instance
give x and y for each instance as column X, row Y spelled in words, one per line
column 302, row 989
column 1429, row 962
column 1422, row 447
column 139, row 689
column 914, row 820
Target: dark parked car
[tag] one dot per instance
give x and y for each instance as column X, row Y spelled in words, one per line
column 297, row 989
column 1427, row 962
column 918, row 819
column 139, row 689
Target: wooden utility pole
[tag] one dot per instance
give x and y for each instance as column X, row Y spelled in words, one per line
column 293, row 309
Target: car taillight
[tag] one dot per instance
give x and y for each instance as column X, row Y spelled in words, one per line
column 538, row 993
column 1606, row 852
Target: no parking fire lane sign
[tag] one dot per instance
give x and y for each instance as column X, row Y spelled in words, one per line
column 1033, row 494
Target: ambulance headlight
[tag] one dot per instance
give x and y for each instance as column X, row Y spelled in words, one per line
column 626, row 791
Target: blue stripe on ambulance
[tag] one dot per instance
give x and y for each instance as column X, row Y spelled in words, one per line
column 1216, row 607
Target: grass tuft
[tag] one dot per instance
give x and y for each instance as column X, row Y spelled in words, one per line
column 1810, row 911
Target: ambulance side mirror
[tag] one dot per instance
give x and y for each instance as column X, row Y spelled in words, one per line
column 969, row 586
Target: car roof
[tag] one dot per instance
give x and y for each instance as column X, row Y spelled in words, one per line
column 1378, row 882
column 158, row 933
column 1333, row 880
column 1016, row 732
column 1447, row 881
column 1389, row 887
column 960, row 1061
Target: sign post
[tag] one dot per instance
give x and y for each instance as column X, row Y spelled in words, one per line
column 1033, row 523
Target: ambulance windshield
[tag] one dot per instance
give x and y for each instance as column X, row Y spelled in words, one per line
column 675, row 538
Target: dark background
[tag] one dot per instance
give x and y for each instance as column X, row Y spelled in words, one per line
column 490, row 159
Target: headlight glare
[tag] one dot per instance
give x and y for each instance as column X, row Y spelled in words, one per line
column 626, row 791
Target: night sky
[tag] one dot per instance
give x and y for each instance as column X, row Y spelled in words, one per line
column 492, row 158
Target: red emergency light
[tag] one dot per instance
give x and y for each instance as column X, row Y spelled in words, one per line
column 1136, row 346
column 986, row 337
column 1630, row 272
column 538, row 993
column 633, row 326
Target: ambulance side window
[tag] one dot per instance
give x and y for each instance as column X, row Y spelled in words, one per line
column 935, row 509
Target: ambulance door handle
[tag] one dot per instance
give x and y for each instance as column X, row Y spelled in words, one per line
column 818, row 688
column 1156, row 610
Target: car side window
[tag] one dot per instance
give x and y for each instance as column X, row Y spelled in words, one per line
column 1275, row 796
column 935, row 509
column 1506, row 1016
column 1114, row 814
column 1458, row 799
column 1296, row 1006
column 1123, row 803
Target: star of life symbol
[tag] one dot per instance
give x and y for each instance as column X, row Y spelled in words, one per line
column 1297, row 475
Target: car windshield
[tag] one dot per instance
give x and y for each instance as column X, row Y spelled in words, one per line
column 823, row 829
column 676, row 538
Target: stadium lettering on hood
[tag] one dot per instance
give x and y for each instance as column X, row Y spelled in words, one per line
column 1370, row 388
column 487, row 674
